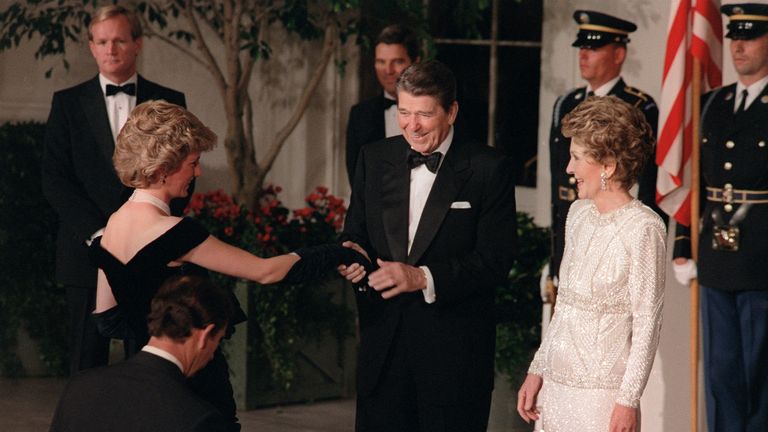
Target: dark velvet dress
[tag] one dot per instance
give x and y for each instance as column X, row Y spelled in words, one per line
column 135, row 283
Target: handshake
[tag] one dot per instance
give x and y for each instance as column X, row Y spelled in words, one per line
column 317, row 261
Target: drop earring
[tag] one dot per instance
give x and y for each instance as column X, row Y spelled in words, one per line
column 603, row 181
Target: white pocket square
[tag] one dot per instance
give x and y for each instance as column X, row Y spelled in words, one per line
column 460, row 205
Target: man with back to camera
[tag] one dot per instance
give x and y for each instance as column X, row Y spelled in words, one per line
column 733, row 245
column 602, row 41
column 78, row 178
column 436, row 212
column 187, row 321
column 376, row 118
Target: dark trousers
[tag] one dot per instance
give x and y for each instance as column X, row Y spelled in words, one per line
column 396, row 405
column 735, row 331
column 87, row 348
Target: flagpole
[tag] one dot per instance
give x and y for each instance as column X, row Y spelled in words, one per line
column 695, row 197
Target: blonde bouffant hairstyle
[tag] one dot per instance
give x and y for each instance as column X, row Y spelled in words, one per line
column 155, row 140
column 611, row 130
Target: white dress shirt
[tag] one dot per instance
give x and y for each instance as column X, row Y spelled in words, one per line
column 422, row 180
column 119, row 106
column 605, row 88
column 164, row 354
column 391, row 126
column 753, row 91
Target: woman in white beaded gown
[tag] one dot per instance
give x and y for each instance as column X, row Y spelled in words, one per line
column 596, row 356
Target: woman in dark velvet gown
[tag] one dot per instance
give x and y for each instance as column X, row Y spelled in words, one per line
column 158, row 153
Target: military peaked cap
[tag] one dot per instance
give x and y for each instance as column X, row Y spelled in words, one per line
column 598, row 29
column 747, row 20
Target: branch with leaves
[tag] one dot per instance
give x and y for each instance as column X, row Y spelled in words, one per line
column 226, row 37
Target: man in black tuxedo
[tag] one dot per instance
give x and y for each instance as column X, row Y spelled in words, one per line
column 375, row 119
column 436, row 213
column 148, row 392
column 78, row 178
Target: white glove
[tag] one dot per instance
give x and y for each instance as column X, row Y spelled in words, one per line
column 685, row 272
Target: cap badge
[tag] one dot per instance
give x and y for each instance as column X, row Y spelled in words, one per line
column 737, row 10
column 584, row 18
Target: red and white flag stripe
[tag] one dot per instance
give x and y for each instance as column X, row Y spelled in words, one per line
column 694, row 29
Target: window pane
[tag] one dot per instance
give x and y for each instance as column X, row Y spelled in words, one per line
column 517, row 110
column 472, row 82
column 456, row 19
column 517, row 103
column 520, row 20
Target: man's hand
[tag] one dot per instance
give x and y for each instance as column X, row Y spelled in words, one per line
column 623, row 419
column 394, row 278
column 355, row 272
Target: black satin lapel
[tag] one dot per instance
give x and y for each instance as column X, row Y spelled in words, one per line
column 144, row 92
column 92, row 100
column 395, row 195
column 448, row 183
column 378, row 120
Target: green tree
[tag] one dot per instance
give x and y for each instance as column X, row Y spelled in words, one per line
column 203, row 30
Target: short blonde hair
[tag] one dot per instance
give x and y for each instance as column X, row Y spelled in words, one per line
column 107, row 12
column 612, row 130
column 155, row 140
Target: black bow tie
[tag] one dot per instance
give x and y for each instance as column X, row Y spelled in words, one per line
column 388, row 103
column 432, row 160
column 129, row 89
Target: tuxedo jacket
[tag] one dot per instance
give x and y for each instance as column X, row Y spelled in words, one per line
column 466, row 237
column 734, row 150
column 143, row 393
column 78, row 177
column 563, row 192
column 366, row 124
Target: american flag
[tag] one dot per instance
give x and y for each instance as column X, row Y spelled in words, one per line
column 694, row 30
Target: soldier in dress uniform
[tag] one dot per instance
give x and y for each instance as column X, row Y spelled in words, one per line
column 733, row 240
column 602, row 41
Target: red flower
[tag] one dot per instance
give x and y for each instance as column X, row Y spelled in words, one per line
column 303, row 212
column 229, row 231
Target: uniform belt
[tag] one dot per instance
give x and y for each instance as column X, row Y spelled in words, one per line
column 739, row 196
column 566, row 193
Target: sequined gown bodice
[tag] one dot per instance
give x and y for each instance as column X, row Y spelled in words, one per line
column 605, row 329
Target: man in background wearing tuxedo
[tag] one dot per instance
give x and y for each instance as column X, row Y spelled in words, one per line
column 375, row 119
column 187, row 320
column 78, row 178
column 436, row 214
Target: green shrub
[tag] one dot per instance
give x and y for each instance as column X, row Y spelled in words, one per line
column 29, row 295
column 518, row 304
